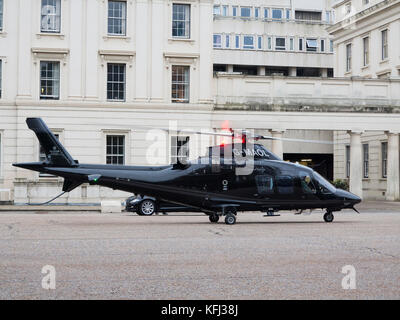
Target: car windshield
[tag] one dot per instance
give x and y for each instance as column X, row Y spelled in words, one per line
column 326, row 187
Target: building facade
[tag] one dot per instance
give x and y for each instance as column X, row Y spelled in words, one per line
column 98, row 70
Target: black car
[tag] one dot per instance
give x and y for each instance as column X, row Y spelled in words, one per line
column 146, row 206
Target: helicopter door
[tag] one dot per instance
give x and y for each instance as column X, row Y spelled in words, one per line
column 308, row 188
column 265, row 186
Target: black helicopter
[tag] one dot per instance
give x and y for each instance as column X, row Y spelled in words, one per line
column 208, row 185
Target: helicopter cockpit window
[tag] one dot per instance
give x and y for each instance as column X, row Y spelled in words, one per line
column 285, row 184
column 265, row 184
column 324, row 185
column 307, row 184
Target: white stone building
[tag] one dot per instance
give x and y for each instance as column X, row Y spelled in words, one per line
column 96, row 70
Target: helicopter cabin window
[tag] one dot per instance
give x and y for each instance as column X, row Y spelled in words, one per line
column 307, row 184
column 324, row 185
column 115, row 149
column 265, row 184
column 179, row 149
column 284, row 184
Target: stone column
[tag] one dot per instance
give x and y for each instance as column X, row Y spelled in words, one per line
column 292, row 71
column 230, row 68
column 261, row 71
column 393, row 167
column 356, row 168
column 277, row 145
column 324, row 72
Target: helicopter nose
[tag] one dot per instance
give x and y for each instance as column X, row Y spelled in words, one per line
column 348, row 196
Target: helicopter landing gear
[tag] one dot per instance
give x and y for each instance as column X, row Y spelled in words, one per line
column 213, row 218
column 328, row 216
column 230, row 215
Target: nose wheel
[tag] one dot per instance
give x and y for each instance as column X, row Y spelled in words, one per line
column 328, row 216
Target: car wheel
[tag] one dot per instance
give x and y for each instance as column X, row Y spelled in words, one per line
column 147, row 207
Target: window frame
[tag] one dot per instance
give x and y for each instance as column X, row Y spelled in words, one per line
column 347, row 160
column 185, row 83
column 115, row 82
column 123, row 20
column 365, row 41
column 50, row 97
column 1, row 15
column 348, row 48
column 123, row 155
column 215, row 36
column 365, row 160
column 187, row 22
column 247, row 46
column 384, row 159
column 280, row 48
column 218, row 11
column 241, row 12
column 55, row 15
column 310, row 48
column 275, row 10
column 384, row 44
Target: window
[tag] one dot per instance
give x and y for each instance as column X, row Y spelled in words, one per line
column 116, row 81
column 307, row 184
column 366, row 51
column 225, row 11
column 248, row 42
column 117, row 17
column 237, row 42
column 311, row 45
column 366, row 160
column 1, row 15
column 347, row 161
column 291, row 44
column 348, row 57
column 181, row 21
column 265, row 184
column 365, row 1
column 300, row 44
column 280, row 44
column 277, row 14
column 227, row 42
column 259, row 42
column 49, row 80
column 384, row 44
column 265, row 13
column 331, row 45
column 51, row 16
column 308, row 15
column 347, row 8
column 1, row 73
column 217, row 41
column 284, row 184
column 115, row 149
column 217, row 10
column 256, row 13
column 245, row 12
column 322, row 45
column 180, row 84
column 179, row 149
column 269, row 43
column 384, row 150
column 234, row 11
column 287, row 14
column 328, row 17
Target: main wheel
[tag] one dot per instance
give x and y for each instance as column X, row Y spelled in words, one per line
column 147, row 207
column 328, row 217
column 213, row 218
column 230, row 219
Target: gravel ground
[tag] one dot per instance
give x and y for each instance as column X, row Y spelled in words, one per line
column 183, row 256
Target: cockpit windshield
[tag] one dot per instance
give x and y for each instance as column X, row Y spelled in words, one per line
column 325, row 186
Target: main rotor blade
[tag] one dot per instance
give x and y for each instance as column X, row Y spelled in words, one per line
column 293, row 140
